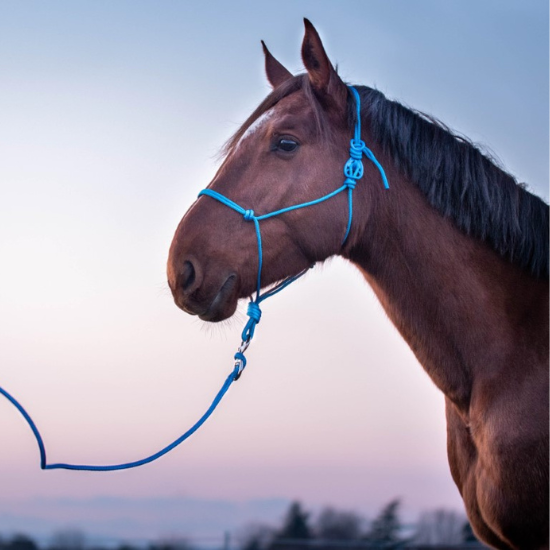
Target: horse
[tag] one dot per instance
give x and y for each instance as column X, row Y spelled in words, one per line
column 456, row 252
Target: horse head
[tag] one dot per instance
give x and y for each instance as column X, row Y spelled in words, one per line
column 290, row 150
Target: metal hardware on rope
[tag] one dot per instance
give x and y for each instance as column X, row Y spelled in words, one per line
column 353, row 170
column 240, row 359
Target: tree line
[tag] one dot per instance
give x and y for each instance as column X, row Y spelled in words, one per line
column 333, row 529
column 330, row 529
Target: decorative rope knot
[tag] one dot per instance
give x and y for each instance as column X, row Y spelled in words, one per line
column 350, row 183
column 356, row 149
column 353, row 169
column 254, row 312
column 248, row 215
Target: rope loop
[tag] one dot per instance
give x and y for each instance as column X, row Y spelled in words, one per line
column 356, row 149
column 248, row 215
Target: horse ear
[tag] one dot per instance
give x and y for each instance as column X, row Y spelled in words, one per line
column 276, row 73
column 323, row 77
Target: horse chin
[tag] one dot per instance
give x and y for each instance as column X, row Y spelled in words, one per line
column 224, row 303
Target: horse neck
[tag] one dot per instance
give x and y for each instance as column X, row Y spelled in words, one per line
column 451, row 297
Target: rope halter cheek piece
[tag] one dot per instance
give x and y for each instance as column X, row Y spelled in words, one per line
column 353, row 170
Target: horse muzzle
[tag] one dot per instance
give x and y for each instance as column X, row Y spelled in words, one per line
column 210, row 297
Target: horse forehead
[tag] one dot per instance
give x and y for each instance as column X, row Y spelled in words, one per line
column 258, row 123
column 288, row 107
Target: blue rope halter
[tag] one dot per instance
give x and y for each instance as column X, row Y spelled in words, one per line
column 353, row 170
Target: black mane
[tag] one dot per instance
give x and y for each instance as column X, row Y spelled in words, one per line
column 462, row 183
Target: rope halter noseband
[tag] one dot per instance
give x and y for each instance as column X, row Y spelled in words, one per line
column 353, row 170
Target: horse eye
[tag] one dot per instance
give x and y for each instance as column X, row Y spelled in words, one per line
column 287, row 145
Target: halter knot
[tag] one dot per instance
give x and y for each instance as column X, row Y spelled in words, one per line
column 254, row 312
column 356, row 149
column 350, row 183
column 354, row 169
column 248, row 215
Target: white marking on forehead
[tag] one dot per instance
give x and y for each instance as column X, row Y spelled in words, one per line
column 256, row 125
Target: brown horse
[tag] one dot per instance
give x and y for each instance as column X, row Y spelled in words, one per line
column 456, row 251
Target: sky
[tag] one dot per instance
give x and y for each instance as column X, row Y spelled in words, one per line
column 112, row 115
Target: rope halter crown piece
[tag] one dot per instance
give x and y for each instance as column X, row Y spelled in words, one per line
column 353, row 170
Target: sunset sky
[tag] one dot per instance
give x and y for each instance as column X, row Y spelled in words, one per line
column 111, row 118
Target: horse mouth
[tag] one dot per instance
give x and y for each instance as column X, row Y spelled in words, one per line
column 224, row 303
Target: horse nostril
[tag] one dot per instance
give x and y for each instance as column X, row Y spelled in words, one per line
column 187, row 276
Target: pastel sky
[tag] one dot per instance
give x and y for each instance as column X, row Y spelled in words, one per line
column 111, row 117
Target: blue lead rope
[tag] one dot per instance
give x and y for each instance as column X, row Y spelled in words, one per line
column 126, row 465
column 353, row 170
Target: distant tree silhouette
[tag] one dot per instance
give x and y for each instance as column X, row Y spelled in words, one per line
column 335, row 525
column 384, row 530
column 21, row 542
column 68, row 539
column 296, row 524
column 295, row 530
column 255, row 536
column 253, row 543
column 172, row 543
